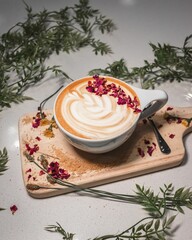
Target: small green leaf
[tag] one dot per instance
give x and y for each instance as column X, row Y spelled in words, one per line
column 157, row 224
column 3, row 160
column 149, row 225
column 180, row 209
column 29, row 44
column 170, row 220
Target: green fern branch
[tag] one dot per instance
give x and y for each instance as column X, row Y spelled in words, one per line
column 3, row 160
column 146, row 228
column 170, row 63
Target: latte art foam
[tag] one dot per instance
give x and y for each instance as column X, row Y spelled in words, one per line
column 90, row 116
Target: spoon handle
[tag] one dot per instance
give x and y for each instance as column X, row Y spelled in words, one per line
column 162, row 144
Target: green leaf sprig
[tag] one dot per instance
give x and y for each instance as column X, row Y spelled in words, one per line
column 155, row 226
column 59, row 229
column 25, row 48
column 3, row 164
column 3, row 160
column 154, row 204
column 170, row 63
column 147, row 228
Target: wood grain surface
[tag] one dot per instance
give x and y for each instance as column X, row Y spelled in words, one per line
column 89, row 170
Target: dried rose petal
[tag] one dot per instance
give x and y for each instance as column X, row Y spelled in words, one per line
column 121, row 101
column 90, row 89
column 41, row 173
column 146, row 141
column 150, row 149
column 179, row 120
column 141, row 152
column 29, row 176
column 38, row 138
column 36, row 123
column 137, row 110
column 33, row 149
column 154, row 144
column 56, row 172
column 100, row 87
column 37, row 119
column 169, row 108
column 171, row 135
column 29, row 170
column 13, row 209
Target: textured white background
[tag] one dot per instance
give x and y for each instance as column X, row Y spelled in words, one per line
column 138, row 22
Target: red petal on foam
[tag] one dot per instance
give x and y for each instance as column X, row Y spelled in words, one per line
column 90, row 89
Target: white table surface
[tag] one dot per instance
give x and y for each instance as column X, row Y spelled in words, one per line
column 138, row 22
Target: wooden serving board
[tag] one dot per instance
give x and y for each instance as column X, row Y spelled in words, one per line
column 89, row 170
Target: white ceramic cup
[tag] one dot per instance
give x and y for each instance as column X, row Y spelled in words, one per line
column 150, row 102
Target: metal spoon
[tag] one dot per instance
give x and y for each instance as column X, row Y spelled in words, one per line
column 162, row 144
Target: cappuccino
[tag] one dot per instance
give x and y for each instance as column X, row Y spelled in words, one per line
column 97, row 108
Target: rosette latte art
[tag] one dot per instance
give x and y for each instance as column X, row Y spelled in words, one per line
column 91, row 116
